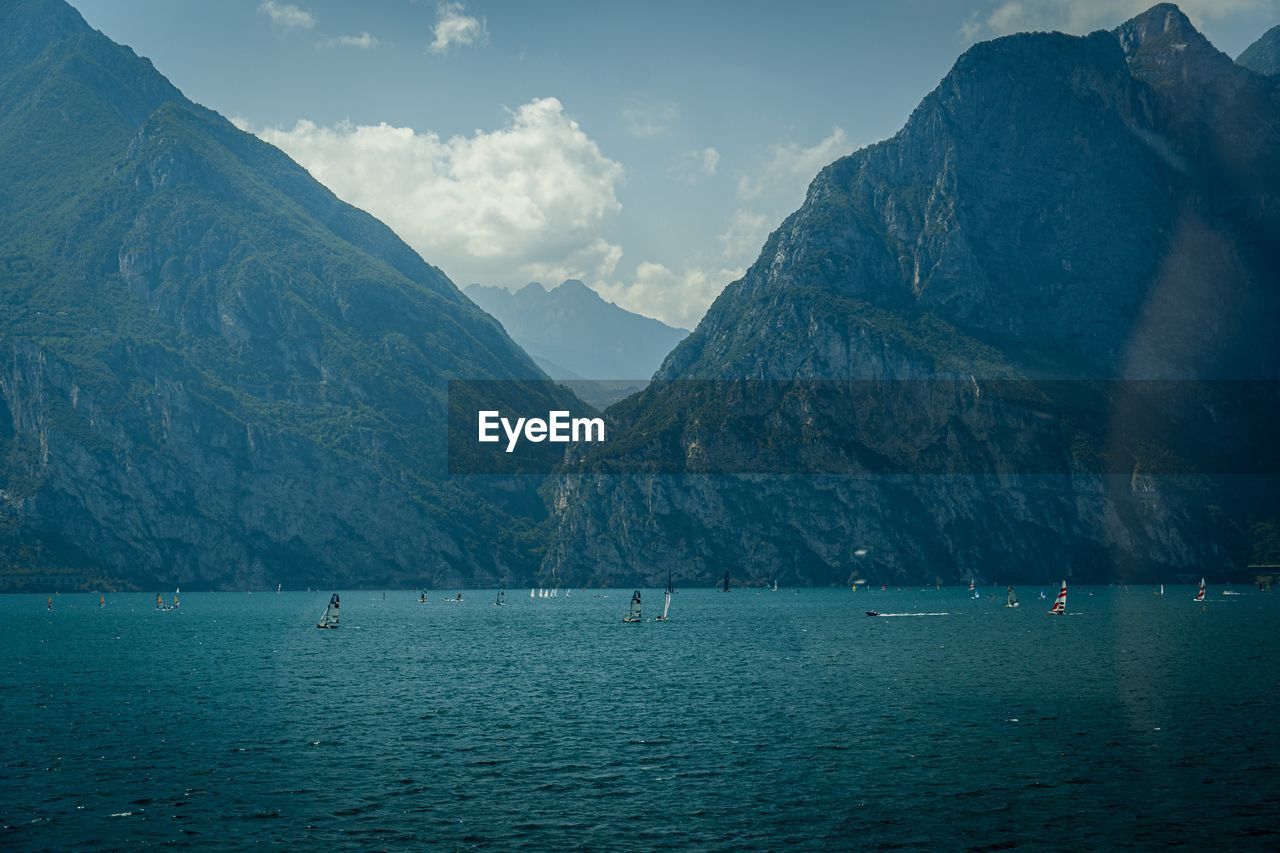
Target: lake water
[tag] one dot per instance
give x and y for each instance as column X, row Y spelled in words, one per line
column 751, row 720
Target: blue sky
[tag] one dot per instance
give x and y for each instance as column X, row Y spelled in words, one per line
column 647, row 148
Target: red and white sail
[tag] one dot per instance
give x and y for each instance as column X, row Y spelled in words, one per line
column 1200, row 592
column 1060, row 603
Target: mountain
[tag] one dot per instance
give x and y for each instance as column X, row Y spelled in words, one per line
column 215, row 373
column 1263, row 56
column 576, row 334
column 1090, row 209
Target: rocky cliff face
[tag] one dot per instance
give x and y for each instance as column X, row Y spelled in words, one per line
column 212, row 371
column 1096, row 207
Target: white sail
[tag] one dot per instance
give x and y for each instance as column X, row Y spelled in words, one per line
column 666, row 605
column 1200, row 592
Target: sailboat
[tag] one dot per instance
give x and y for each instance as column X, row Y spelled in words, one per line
column 1200, row 592
column 724, row 587
column 1160, row 590
column 1012, row 600
column 501, row 599
column 666, row 601
column 330, row 617
column 1060, row 603
column 633, row 615
column 531, row 595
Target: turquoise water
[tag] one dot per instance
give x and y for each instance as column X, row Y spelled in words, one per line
column 751, row 720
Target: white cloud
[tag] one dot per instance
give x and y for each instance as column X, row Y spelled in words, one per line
column 363, row 41
column 455, row 27
column 1085, row 16
column 525, row 201
column 286, row 15
column 745, row 235
column 678, row 297
column 647, row 119
column 792, row 167
column 691, row 165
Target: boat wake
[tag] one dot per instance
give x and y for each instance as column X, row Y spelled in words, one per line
column 874, row 613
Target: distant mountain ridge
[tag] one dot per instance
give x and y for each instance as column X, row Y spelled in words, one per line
column 1097, row 207
column 213, row 372
column 1263, row 56
column 576, row 334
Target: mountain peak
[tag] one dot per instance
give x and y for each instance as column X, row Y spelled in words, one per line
column 1263, row 56
column 574, row 287
column 27, row 27
column 1165, row 49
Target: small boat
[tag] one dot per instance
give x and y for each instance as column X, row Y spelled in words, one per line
column 1060, row 603
column 1012, row 600
column 666, row 601
column 501, row 600
column 330, row 617
column 724, row 587
column 633, row 615
column 873, row 612
column 1200, row 592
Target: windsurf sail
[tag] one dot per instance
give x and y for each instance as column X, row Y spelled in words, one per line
column 724, row 587
column 1200, row 592
column 1012, row 600
column 501, row 599
column 330, row 617
column 633, row 615
column 1060, row 603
